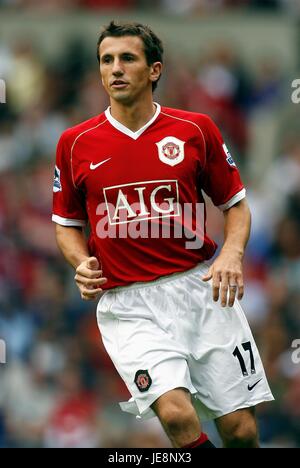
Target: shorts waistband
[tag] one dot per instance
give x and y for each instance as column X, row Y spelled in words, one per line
column 201, row 267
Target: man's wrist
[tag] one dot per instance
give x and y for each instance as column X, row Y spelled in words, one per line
column 79, row 260
column 233, row 250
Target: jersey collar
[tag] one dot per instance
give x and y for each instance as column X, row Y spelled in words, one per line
column 127, row 131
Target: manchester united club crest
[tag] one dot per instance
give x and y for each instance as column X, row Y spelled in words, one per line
column 143, row 380
column 171, row 150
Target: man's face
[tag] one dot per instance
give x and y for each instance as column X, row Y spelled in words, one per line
column 124, row 69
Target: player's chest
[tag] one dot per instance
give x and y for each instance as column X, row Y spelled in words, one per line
column 124, row 161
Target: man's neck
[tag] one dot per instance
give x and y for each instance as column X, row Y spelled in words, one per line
column 133, row 116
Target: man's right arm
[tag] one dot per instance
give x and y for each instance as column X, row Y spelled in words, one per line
column 73, row 245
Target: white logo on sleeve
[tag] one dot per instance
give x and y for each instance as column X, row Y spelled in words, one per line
column 229, row 158
column 171, row 150
column 57, row 183
column 95, row 166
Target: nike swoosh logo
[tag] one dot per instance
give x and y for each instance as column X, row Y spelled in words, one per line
column 95, row 166
column 252, row 387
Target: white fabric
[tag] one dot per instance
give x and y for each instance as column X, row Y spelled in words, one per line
column 174, row 330
column 234, row 200
column 134, row 135
column 68, row 222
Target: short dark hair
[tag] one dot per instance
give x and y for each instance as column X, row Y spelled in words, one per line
column 152, row 44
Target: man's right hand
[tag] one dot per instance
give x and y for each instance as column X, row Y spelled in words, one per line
column 89, row 279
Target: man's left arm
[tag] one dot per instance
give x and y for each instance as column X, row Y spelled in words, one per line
column 227, row 271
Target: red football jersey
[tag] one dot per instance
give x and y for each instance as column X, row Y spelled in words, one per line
column 141, row 191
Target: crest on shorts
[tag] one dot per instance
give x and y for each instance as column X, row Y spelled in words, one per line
column 143, row 380
column 171, row 150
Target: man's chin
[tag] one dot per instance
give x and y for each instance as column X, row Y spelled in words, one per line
column 122, row 97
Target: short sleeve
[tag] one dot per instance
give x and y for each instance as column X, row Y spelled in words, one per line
column 220, row 179
column 68, row 201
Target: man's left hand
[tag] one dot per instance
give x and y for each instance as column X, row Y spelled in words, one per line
column 227, row 274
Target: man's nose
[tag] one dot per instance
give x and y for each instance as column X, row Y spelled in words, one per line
column 117, row 69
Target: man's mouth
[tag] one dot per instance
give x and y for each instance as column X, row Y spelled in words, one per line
column 119, row 84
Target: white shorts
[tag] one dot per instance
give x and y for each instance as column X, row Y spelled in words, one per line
column 169, row 333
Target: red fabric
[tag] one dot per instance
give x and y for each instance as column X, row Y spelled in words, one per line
column 104, row 174
column 201, row 440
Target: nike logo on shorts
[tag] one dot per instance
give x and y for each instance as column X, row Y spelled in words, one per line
column 95, row 166
column 252, row 387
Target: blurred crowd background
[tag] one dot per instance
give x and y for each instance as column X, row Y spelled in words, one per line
column 172, row 6
column 59, row 388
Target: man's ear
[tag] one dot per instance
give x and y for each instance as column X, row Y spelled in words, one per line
column 155, row 71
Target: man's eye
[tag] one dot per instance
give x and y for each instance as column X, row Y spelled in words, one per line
column 128, row 58
column 106, row 60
